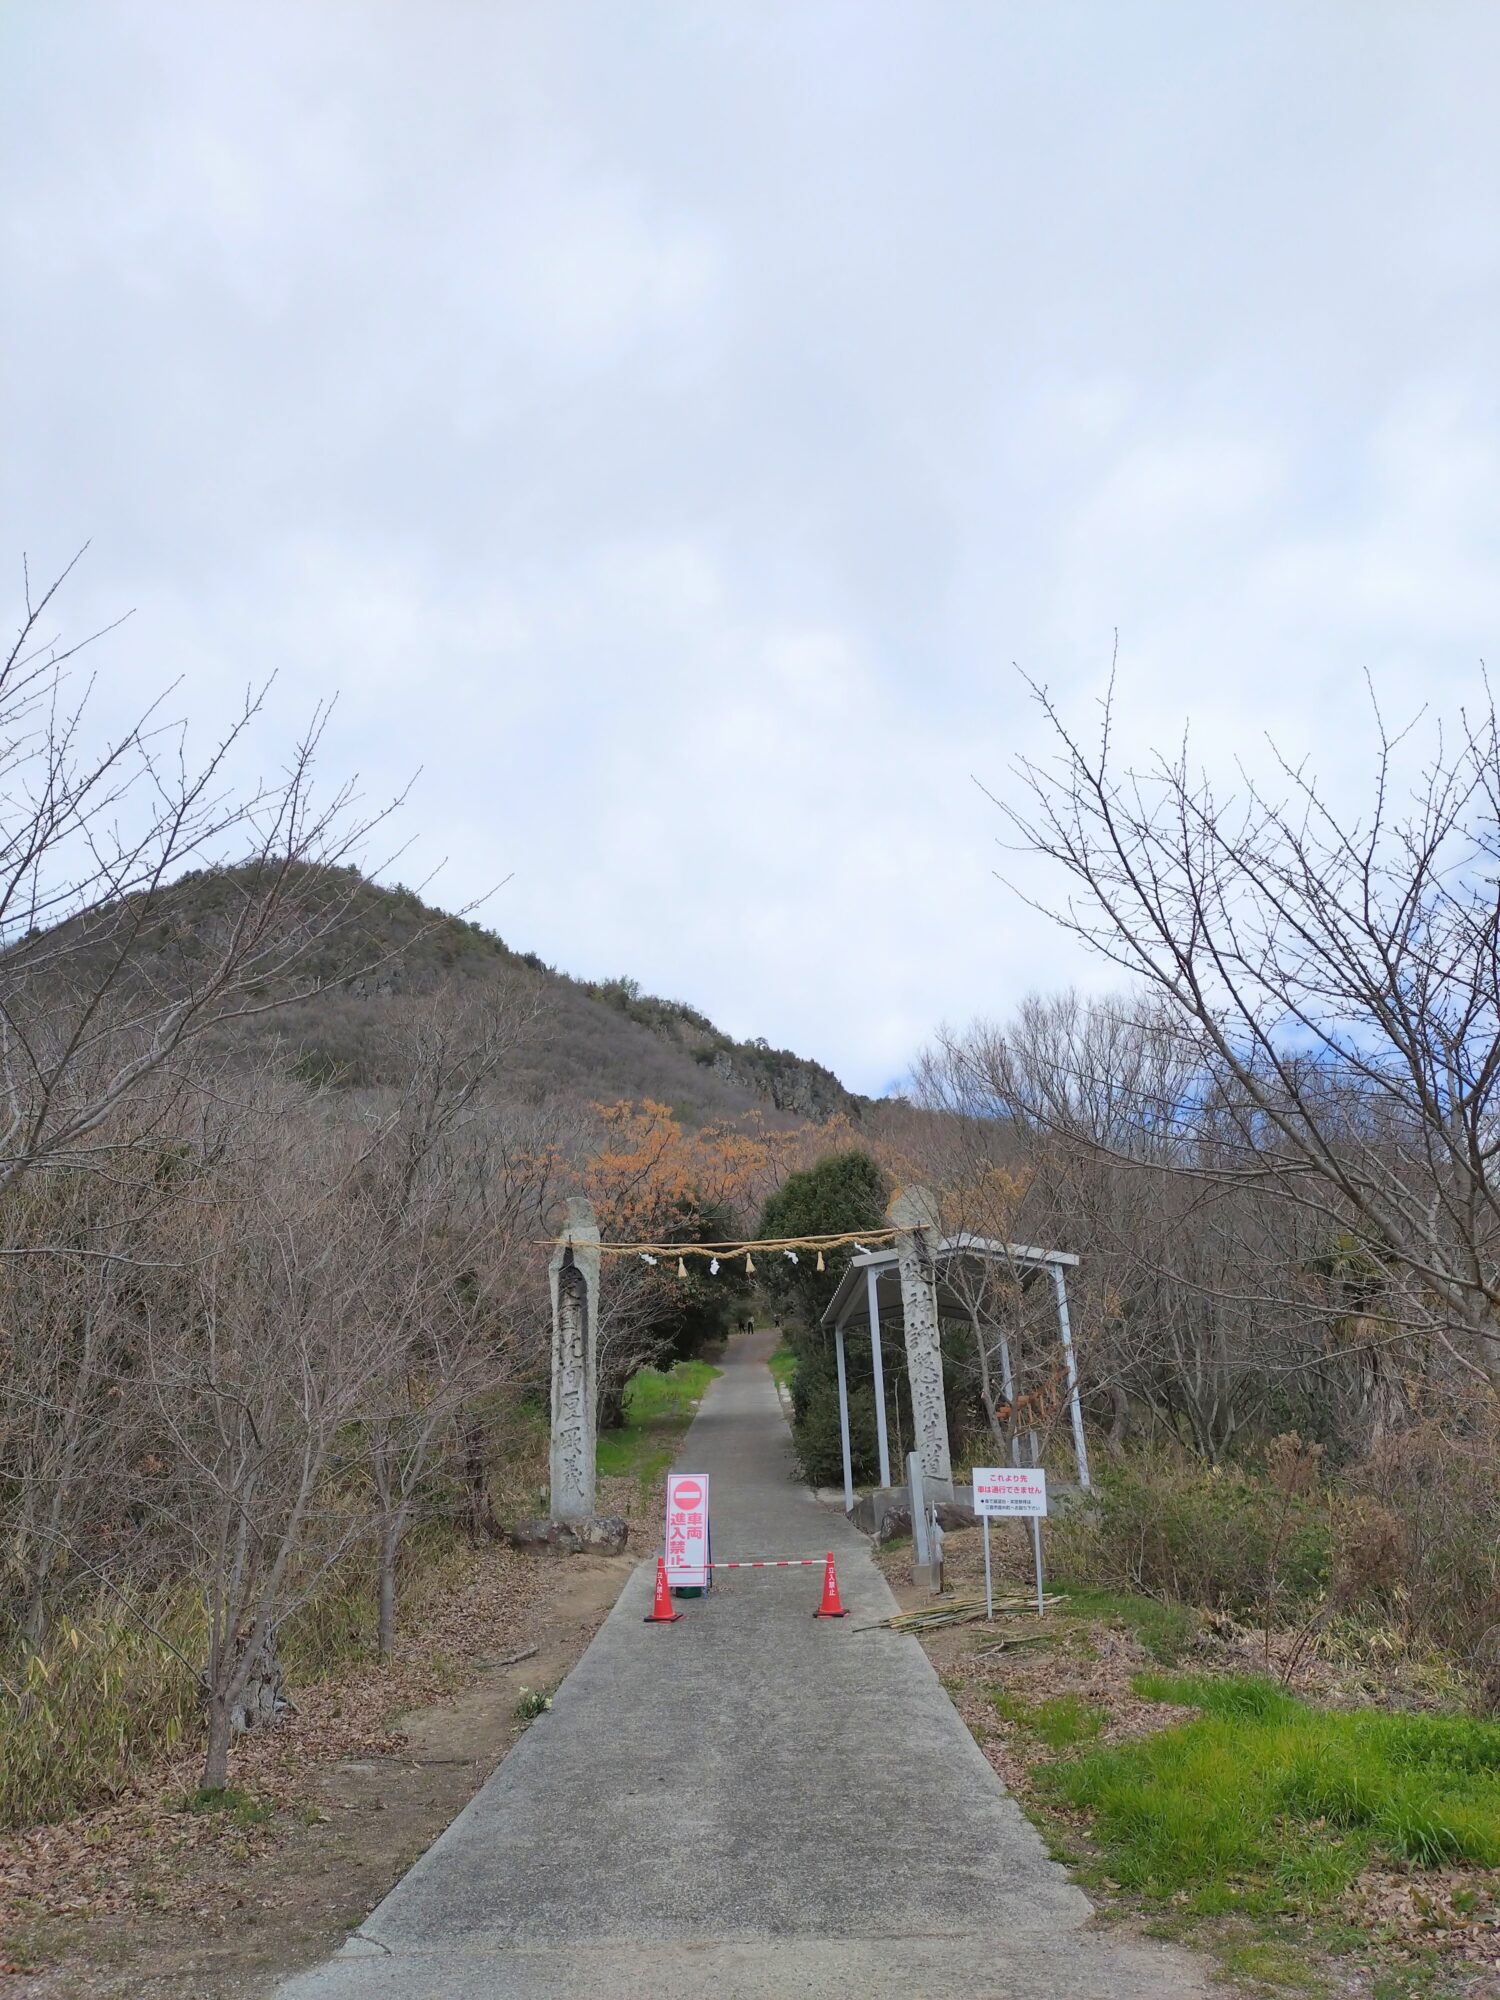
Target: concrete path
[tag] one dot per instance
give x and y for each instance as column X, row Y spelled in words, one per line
column 749, row 1803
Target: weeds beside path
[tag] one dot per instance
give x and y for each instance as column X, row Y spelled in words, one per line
column 1312, row 1846
column 783, row 1364
column 659, row 1406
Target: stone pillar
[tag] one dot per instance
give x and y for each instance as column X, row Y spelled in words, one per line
column 574, row 1272
column 914, row 1213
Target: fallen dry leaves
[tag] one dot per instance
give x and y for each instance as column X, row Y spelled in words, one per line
column 1449, row 1910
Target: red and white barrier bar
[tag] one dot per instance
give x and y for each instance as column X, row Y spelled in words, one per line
column 775, row 1562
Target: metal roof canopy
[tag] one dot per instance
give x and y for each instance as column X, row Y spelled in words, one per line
column 849, row 1307
column 870, row 1290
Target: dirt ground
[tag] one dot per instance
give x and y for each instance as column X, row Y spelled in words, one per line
column 144, row 1897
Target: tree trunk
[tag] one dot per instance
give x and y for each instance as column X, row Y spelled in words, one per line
column 391, row 1524
column 1119, row 1422
column 390, row 1546
column 216, row 1758
column 35, row 1620
column 986, row 1391
column 482, row 1523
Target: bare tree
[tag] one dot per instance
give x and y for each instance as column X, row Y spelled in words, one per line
column 1334, row 980
column 1197, row 1300
column 101, row 984
column 67, row 1331
column 456, row 1206
column 256, row 1356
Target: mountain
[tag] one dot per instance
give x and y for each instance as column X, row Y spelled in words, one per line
column 600, row 1040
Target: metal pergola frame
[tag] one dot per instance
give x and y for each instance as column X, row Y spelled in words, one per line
column 858, row 1303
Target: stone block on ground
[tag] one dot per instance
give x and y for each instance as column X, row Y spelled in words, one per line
column 599, row 1535
column 950, row 1514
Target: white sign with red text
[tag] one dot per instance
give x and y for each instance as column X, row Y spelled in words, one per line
column 1009, row 1489
column 687, row 1531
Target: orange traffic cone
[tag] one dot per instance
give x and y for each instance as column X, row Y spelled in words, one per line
column 830, row 1607
column 661, row 1609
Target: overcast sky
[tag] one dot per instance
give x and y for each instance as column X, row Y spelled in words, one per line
column 669, row 425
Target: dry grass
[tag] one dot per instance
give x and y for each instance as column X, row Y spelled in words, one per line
column 132, row 1853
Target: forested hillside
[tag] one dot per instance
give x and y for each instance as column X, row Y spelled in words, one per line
column 586, row 1041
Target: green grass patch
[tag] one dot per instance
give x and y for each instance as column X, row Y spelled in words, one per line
column 659, row 1406
column 1062, row 1722
column 1267, row 1965
column 654, row 1395
column 242, row 1807
column 783, row 1364
column 1420, row 1978
column 1262, row 1805
column 1164, row 1630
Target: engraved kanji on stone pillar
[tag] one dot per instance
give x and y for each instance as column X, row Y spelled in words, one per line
column 914, row 1213
column 574, row 1273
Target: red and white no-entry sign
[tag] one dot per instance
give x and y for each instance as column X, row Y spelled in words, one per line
column 687, row 1543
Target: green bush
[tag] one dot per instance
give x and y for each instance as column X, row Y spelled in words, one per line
column 1407, row 1545
column 1221, row 1537
column 816, row 1437
column 845, row 1191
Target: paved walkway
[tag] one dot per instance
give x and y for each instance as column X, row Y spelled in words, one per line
column 749, row 1803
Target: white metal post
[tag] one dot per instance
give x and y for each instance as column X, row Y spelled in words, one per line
column 872, row 1297
column 1059, row 1285
column 838, row 1345
column 1009, row 1382
column 1036, row 1547
column 989, row 1594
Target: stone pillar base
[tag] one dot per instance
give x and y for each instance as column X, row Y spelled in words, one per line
column 598, row 1535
